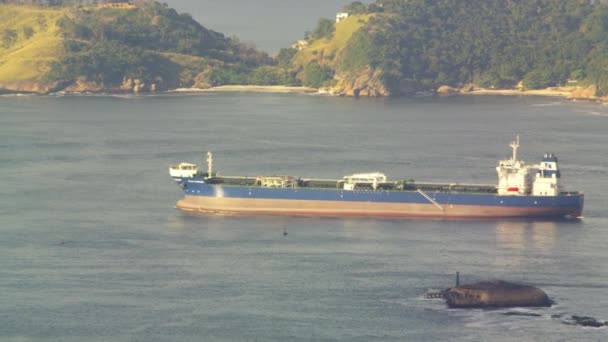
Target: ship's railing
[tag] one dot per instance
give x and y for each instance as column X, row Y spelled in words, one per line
column 454, row 187
column 236, row 181
column 332, row 184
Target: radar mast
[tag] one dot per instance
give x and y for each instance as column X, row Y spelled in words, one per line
column 209, row 164
column 515, row 146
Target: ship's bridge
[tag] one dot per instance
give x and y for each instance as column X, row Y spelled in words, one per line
column 183, row 170
column 547, row 181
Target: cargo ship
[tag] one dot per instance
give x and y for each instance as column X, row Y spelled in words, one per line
column 523, row 191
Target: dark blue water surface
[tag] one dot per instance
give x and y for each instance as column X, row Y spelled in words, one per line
column 93, row 249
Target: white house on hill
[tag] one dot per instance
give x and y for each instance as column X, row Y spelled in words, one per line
column 341, row 16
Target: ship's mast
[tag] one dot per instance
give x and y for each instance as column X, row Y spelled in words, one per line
column 515, row 146
column 209, row 163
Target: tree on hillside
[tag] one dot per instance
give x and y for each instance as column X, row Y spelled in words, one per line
column 356, row 7
column 537, row 79
column 597, row 68
column 325, row 29
column 9, row 37
column 41, row 22
column 316, row 75
column 285, row 56
column 28, row 32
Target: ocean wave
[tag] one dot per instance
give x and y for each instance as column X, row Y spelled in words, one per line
column 550, row 104
column 591, row 112
column 17, row 95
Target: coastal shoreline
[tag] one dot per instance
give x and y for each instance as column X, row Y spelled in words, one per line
column 114, row 91
column 570, row 93
column 249, row 89
column 573, row 93
column 518, row 92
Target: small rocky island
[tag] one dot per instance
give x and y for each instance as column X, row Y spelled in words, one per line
column 584, row 321
column 493, row 294
column 503, row 294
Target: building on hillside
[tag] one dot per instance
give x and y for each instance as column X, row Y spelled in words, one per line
column 300, row 45
column 341, row 16
column 116, row 4
column 571, row 82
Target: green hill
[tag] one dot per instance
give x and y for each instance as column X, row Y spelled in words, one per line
column 326, row 48
column 390, row 47
column 145, row 48
column 393, row 47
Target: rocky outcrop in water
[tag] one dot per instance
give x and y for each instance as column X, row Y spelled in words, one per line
column 587, row 94
column 31, row 87
column 128, row 85
column 495, row 294
column 447, row 90
column 502, row 294
column 585, row 321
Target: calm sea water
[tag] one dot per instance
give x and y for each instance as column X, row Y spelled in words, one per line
column 92, row 248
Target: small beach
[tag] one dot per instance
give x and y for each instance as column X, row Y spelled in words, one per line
column 252, row 88
column 571, row 93
column 559, row 92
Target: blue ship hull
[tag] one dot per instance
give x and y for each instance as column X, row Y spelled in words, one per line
column 200, row 196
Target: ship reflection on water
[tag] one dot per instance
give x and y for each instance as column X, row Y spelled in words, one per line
column 519, row 234
column 516, row 239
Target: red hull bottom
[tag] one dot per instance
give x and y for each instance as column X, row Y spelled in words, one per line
column 364, row 209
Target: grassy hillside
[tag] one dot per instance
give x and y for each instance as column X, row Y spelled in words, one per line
column 147, row 47
column 35, row 41
column 325, row 50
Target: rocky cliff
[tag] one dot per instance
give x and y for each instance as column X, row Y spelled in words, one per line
column 31, row 87
column 78, row 86
column 366, row 83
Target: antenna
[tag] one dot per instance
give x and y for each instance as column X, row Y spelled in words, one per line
column 515, row 146
column 209, row 163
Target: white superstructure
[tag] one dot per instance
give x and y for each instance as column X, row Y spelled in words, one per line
column 517, row 178
column 189, row 170
column 547, row 178
column 183, row 170
column 363, row 180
